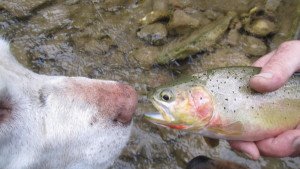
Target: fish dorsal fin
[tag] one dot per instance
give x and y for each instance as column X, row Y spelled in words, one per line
column 211, row 142
column 232, row 129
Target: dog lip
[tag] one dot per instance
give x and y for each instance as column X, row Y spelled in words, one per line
column 122, row 124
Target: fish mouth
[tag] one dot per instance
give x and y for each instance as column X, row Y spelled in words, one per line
column 155, row 118
column 163, row 111
column 163, row 117
column 158, row 119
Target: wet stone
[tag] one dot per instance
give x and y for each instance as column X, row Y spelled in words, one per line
column 160, row 5
column 50, row 19
column 253, row 46
column 196, row 14
column 154, row 16
column 181, row 19
column 224, row 57
column 115, row 5
column 71, row 2
column 261, row 27
column 233, row 37
column 272, row 5
column 82, row 15
column 211, row 14
column 21, row 8
column 145, row 56
column 154, row 34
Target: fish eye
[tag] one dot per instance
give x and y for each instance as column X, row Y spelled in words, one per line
column 166, row 95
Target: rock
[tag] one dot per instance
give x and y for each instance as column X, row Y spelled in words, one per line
column 261, row 27
column 200, row 16
column 179, row 3
column 145, row 56
column 21, row 8
column 272, row 5
column 115, row 5
column 211, row 14
column 181, row 19
column 233, row 37
column 154, row 34
column 253, row 46
column 155, row 16
column 82, row 15
column 50, row 20
column 197, row 41
column 71, row 2
column 161, row 5
column 224, row 57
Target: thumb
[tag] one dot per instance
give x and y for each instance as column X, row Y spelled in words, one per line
column 285, row 144
column 278, row 67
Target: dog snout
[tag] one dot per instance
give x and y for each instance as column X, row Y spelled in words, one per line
column 128, row 101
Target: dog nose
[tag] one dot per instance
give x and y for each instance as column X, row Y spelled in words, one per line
column 128, row 100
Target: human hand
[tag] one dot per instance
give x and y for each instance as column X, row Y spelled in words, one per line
column 277, row 67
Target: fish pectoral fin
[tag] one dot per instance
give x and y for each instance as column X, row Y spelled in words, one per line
column 232, row 129
column 211, row 142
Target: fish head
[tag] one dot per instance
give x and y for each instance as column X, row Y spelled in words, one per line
column 184, row 106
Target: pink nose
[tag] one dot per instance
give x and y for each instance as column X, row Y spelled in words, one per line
column 115, row 101
column 126, row 102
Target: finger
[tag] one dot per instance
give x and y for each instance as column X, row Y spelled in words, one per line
column 284, row 145
column 280, row 66
column 249, row 148
column 263, row 60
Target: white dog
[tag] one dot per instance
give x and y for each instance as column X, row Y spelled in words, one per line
column 51, row 122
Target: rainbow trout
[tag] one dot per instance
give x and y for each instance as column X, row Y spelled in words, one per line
column 219, row 104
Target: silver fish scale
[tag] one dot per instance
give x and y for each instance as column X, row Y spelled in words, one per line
column 232, row 94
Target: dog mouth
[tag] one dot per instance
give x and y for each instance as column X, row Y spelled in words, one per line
column 5, row 107
column 120, row 124
column 123, row 123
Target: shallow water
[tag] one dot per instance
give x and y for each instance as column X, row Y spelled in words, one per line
column 98, row 39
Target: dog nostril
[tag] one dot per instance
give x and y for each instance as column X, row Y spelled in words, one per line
column 128, row 102
column 123, row 117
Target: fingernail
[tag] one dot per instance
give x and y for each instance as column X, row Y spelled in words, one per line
column 296, row 143
column 266, row 75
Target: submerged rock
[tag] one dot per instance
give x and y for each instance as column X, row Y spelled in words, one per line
column 115, row 5
column 161, row 5
column 272, row 5
column 155, row 16
column 50, row 19
column 197, row 41
column 253, row 46
column 261, row 27
column 21, row 8
column 82, row 15
column 224, row 57
column 154, row 34
column 181, row 19
column 145, row 56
